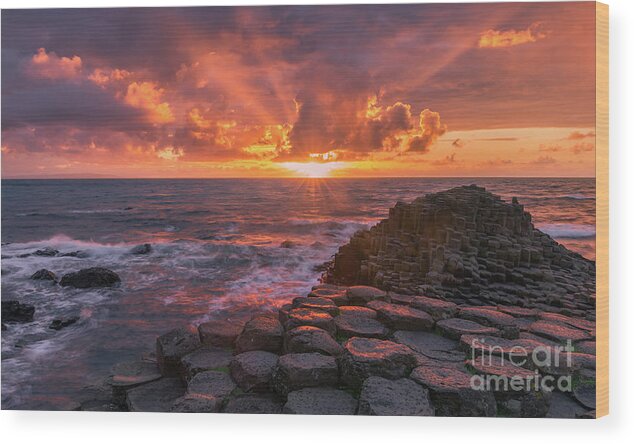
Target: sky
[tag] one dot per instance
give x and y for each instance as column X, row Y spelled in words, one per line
column 319, row 91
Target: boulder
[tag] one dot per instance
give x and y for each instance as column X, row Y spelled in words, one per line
column 128, row 375
column 361, row 294
column 95, row 277
column 309, row 339
column 400, row 397
column 156, row 396
column 58, row 324
column 205, row 359
column 314, row 303
column 320, row 401
column 46, row 252
column 298, row 317
column 141, row 249
column 254, row 404
column 171, row 347
column 14, row 311
column 196, row 403
column 44, row 275
column 262, row 332
column 437, row 308
column 492, row 318
column 300, row 370
column 365, row 357
column 253, row 370
column 452, row 393
column 351, row 325
column 356, row 310
column 219, row 333
column 401, row 317
column 454, row 328
column 211, row 383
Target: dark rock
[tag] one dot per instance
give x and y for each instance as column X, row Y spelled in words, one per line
column 288, row 244
column 589, row 347
column 314, row 303
column 430, row 345
column 14, row 311
column 356, row 310
column 253, row 370
column 262, row 332
column 90, row 278
column 401, row 317
column 211, row 383
column 141, row 249
column 309, row 339
column 219, row 333
column 320, row 401
column 156, row 396
column 492, row 318
column 365, row 357
column 351, row 325
column 77, row 254
column 196, row 403
column 581, row 324
column 361, row 294
column 454, row 328
column 400, row 397
column 338, row 295
column 563, row 406
column 298, row 317
column 128, row 375
column 58, row 324
column 47, row 252
column 254, row 404
column 205, row 359
column 300, row 370
column 558, row 332
column 4, row 327
column 171, row 347
column 452, row 393
column 518, row 312
column 44, row 275
column 437, row 308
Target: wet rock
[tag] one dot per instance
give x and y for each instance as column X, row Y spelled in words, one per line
column 430, row 345
column 203, row 360
column 338, row 295
column 196, row 403
column 141, row 249
column 288, row 244
column 253, row 370
column 400, row 397
column 77, row 254
column 58, row 324
column 401, row 317
column 437, row 308
column 262, row 332
column 361, row 294
column 128, row 375
column 314, row 303
column 14, row 311
column 309, row 339
column 211, row 383
column 46, row 252
column 455, row 327
column 356, row 310
column 558, row 332
column 91, row 278
column 586, row 394
column 452, row 394
column 44, row 275
column 491, row 318
column 219, row 333
column 350, row 325
column 156, row 396
column 171, row 347
column 254, row 404
column 563, row 406
column 320, row 401
column 298, row 317
column 365, row 357
column 300, row 370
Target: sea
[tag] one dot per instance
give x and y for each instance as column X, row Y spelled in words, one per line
column 221, row 249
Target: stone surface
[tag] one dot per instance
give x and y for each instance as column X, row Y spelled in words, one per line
column 156, row 396
column 315, row 303
column 254, row 404
column 586, row 394
column 491, row 318
column 564, row 406
column 430, row 345
column 455, row 327
column 219, row 333
column 351, row 325
column 90, row 278
column 361, row 294
column 205, row 359
column 44, row 275
column 400, row 397
column 437, row 308
column 558, row 332
column 171, row 347
column 253, row 370
column 141, row 249
column 320, row 401
column 211, row 383
column 309, row 339
column 298, row 317
column 14, row 311
column 262, row 332
column 338, row 295
column 356, row 310
column 589, row 347
column 300, row 370
column 365, row 357
column 452, row 393
column 58, row 324
column 127, row 375
column 518, row 312
column 401, row 317
column 196, row 403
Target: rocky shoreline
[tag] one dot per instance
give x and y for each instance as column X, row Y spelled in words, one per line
column 445, row 280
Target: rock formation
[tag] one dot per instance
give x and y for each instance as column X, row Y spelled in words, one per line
column 467, row 246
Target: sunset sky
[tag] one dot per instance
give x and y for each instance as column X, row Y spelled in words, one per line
column 344, row 91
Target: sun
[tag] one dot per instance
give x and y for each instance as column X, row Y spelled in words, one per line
column 313, row 169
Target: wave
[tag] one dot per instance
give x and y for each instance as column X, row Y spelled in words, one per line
column 569, row 231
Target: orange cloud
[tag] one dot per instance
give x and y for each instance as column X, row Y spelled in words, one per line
column 502, row 39
column 431, row 130
column 582, row 147
column 577, row 135
column 103, row 77
column 48, row 65
column 148, row 96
